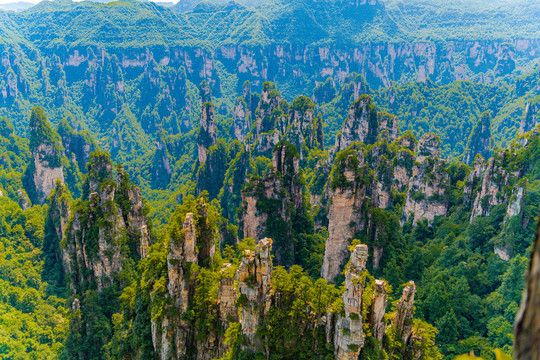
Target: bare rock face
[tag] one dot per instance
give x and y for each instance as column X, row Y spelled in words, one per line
column 344, row 210
column 388, row 126
column 268, row 112
column 190, row 249
column 378, row 309
column 360, row 125
column 405, row 312
column 207, row 134
column 24, row 201
column 349, row 337
column 265, row 143
column 276, row 196
column 91, row 254
column 428, row 146
column 227, row 296
column 426, row 195
column 480, row 140
column 527, row 324
column 45, row 173
column 302, row 128
column 254, row 278
column 241, row 119
column 530, row 118
column 494, row 178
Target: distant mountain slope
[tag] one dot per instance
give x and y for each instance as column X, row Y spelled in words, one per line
column 16, row 6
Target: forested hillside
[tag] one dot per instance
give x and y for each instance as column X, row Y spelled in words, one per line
column 330, row 179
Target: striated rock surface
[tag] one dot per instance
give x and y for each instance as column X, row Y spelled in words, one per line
column 345, row 202
column 428, row 146
column 46, row 171
column 493, row 179
column 426, row 195
column 530, row 117
column 227, row 294
column 254, row 278
column 349, row 337
column 360, row 125
column 241, row 119
column 269, row 110
column 274, row 198
column 113, row 213
column 405, row 311
column 302, row 128
column 480, row 140
column 46, row 163
column 207, row 136
column 378, row 309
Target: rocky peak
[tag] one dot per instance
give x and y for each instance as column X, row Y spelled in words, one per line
column 207, row 136
column 241, row 119
column 428, row 146
column 378, row 309
column 530, row 117
column 360, row 124
column 77, row 144
column 405, row 312
column 353, row 86
column 480, row 139
column 100, row 170
column 493, row 178
column 347, row 195
column 46, row 164
column 388, row 126
column 302, row 129
column 254, row 278
column 112, row 214
column 275, row 197
column 349, row 337
column 324, row 92
column 205, row 92
column 270, row 109
column 426, row 196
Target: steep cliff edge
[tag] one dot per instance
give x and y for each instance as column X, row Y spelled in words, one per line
column 105, row 229
column 480, row 140
column 272, row 203
column 46, row 164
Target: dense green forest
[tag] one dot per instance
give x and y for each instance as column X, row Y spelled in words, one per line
column 329, row 179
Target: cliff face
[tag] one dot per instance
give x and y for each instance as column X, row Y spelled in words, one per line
column 190, row 257
column 348, row 335
column 405, row 312
column 366, row 181
column 491, row 179
column 426, row 196
column 271, row 202
column 207, row 134
column 530, row 117
column 301, row 128
column 46, row 164
column 254, row 278
column 364, row 124
column 360, row 125
column 480, row 140
column 345, row 209
column 108, row 227
column 46, row 171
